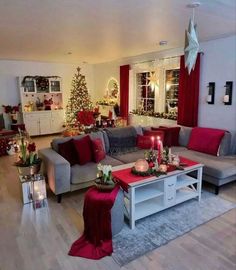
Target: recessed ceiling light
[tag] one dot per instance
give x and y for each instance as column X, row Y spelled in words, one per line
column 193, row 5
column 163, row 42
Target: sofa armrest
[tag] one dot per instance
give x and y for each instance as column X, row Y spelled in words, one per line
column 57, row 169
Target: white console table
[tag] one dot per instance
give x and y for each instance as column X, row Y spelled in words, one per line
column 155, row 194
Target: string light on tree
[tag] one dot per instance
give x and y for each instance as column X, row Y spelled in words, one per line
column 79, row 99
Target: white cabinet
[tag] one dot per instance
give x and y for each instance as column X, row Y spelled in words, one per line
column 57, row 121
column 43, row 122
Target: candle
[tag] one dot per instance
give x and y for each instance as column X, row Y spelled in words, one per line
column 159, row 150
column 226, row 98
column 209, row 98
column 152, row 138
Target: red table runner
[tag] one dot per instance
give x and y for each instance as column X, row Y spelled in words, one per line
column 96, row 241
column 124, row 177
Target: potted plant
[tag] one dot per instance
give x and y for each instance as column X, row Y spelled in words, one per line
column 29, row 163
column 12, row 111
column 104, row 177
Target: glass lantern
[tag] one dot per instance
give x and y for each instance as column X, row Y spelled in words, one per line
column 39, row 191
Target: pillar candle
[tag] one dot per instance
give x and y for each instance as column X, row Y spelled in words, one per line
column 152, row 138
column 226, row 98
column 159, row 150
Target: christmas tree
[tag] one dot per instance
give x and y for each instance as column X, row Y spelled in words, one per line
column 79, row 99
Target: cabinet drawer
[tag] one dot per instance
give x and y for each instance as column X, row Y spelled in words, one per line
column 170, row 190
column 170, row 183
column 170, row 199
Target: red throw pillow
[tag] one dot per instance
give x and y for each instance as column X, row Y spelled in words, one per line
column 144, row 142
column 98, row 150
column 155, row 133
column 205, row 140
column 67, row 150
column 83, row 148
column 171, row 137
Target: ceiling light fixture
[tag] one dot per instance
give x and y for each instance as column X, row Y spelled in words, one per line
column 191, row 41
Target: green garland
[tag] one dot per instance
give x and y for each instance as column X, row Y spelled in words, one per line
column 149, row 172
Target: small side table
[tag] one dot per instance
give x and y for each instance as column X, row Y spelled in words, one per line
column 33, row 190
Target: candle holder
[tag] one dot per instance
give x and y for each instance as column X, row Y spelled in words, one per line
column 227, row 99
column 211, row 93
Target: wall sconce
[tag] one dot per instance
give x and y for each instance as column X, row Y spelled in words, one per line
column 211, row 93
column 228, row 93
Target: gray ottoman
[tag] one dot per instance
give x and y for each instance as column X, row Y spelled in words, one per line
column 117, row 214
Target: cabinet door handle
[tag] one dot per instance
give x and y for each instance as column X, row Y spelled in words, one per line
column 171, row 198
column 170, row 185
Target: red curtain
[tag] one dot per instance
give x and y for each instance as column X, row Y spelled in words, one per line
column 188, row 94
column 124, row 91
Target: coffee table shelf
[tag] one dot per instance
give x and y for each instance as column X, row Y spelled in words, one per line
column 185, row 180
column 148, row 192
column 185, row 194
column 149, row 207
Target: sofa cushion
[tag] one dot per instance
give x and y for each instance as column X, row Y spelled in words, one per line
column 83, row 148
column 67, row 150
column 171, row 135
column 98, row 150
column 205, row 140
column 106, row 141
column 131, row 157
column 184, row 135
column 155, row 134
column 88, row 172
column 93, row 135
column 144, row 142
column 225, row 144
column 218, row 167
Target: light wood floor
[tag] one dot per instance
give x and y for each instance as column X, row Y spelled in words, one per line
column 40, row 240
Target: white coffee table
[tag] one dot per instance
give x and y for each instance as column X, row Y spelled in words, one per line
column 154, row 194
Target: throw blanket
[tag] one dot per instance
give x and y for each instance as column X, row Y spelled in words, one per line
column 121, row 139
column 96, row 241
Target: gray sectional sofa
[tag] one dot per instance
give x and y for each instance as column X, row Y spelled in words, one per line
column 120, row 147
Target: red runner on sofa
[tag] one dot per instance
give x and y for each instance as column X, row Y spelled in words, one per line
column 96, row 241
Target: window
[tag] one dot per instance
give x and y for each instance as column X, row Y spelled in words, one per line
column 171, row 89
column 145, row 95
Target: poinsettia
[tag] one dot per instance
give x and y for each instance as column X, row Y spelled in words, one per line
column 11, row 109
column 85, row 118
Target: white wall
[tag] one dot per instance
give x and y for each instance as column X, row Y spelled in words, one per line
column 218, row 65
column 102, row 74
column 10, row 70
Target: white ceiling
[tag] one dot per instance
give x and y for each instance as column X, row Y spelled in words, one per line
column 102, row 30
